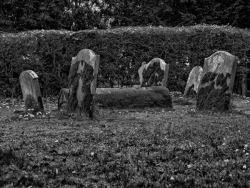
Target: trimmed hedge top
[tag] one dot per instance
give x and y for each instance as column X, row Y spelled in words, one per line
column 122, row 50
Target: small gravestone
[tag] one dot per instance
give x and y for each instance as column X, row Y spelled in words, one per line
column 154, row 73
column 217, row 79
column 62, row 98
column 82, row 81
column 31, row 91
column 193, row 81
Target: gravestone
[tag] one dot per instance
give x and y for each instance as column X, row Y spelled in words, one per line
column 193, row 81
column 154, row 73
column 62, row 98
column 31, row 90
column 82, row 81
column 217, row 79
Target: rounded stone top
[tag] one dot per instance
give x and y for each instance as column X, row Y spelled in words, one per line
column 87, row 56
column 31, row 73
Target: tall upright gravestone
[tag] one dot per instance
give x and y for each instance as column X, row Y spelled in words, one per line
column 153, row 73
column 216, row 85
column 82, row 81
column 31, row 90
column 193, row 81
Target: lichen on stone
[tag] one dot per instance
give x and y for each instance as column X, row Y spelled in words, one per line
column 191, row 92
column 31, row 103
column 86, row 76
column 153, row 75
column 212, row 98
column 210, row 76
column 221, row 79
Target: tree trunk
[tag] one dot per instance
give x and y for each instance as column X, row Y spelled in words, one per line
column 155, row 96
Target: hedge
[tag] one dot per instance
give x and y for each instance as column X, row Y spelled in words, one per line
column 122, row 50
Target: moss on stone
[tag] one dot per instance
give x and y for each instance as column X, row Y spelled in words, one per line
column 73, row 72
column 215, row 99
column 63, row 97
column 153, row 75
column 212, row 76
column 205, row 78
column 209, row 76
column 191, row 92
column 221, row 79
column 72, row 101
column 87, row 77
column 40, row 103
column 31, row 103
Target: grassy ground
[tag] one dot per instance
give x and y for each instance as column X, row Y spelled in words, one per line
column 151, row 147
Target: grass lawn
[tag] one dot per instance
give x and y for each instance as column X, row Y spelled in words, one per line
column 150, row 147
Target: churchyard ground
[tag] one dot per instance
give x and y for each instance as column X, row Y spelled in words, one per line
column 151, row 147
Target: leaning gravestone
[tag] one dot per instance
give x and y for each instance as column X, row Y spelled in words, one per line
column 216, row 85
column 31, row 91
column 193, row 81
column 154, row 73
column 82, row 81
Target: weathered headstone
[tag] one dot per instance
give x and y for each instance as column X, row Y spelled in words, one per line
column 193, row 81
column 217, row 79
column 31, row 90
column 82, row 81
column 62, row 98
column 154, row 73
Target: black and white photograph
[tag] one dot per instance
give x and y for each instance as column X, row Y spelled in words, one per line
column 124, row 93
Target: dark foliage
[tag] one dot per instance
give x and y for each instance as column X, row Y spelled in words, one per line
column 88, row 14
column 122, row 51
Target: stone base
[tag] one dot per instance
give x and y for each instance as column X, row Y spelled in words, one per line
column 155, row 96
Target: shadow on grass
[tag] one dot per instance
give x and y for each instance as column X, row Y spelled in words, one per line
column 7, row 157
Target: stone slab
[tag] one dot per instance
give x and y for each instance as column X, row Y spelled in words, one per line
column 155, row 96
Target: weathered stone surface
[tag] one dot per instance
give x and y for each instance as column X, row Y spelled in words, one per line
column 82, row 81
column 216, row 85
column 155, row 96
column 89, row 57
column 154, row 73
column 63, row 97
column 31, row 90
column 120, row 97
column 193, row 81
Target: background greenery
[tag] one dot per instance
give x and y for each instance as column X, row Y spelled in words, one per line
column 122, row 50
column 43, row 35
column 19, row 15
